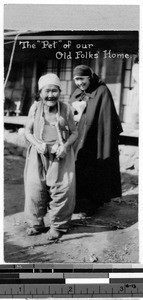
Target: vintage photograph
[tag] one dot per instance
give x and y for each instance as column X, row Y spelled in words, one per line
column 71, row 131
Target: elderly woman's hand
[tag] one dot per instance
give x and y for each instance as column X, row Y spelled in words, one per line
column 61, row 151
column 41, row 148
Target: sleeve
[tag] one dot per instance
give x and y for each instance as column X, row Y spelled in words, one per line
column 31, row 117
column 70, row 119
column 33, row 109
column 108, row 125
column 71, row 127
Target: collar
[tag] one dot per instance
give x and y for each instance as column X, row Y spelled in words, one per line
column 91, row 95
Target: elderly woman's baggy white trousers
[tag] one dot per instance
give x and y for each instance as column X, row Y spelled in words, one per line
column 49, row 186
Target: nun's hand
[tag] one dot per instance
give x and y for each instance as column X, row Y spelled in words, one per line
column 61, row 151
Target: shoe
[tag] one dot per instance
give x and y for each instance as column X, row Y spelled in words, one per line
column 36, row 229
column 54, row 234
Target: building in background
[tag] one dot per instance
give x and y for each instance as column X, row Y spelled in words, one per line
column 27, row 56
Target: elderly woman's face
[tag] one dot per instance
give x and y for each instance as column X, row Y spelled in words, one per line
column 82, row 82
column 50, row 94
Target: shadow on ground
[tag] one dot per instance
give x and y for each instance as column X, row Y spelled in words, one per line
column 110, row 235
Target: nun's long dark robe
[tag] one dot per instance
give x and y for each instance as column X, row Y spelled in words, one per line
column 97, row 165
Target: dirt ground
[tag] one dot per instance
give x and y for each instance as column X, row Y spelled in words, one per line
column 109, row 236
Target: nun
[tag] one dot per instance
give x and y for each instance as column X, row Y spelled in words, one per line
column 98, row 177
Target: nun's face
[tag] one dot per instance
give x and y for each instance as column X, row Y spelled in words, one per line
column 50, row 94
column 82, row 82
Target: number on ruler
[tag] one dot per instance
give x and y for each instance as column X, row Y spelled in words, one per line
column 70, row 290
column 121, row 288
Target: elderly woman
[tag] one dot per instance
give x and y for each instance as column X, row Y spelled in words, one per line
column 49, row 174
column 96, row 148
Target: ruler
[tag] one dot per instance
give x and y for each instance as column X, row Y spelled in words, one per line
column 71, row 281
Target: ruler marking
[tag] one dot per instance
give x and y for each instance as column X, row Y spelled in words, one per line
column 124, row 288
column 74, row 288
column 128, row 287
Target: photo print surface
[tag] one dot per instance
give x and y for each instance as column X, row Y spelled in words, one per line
column 88, row 195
